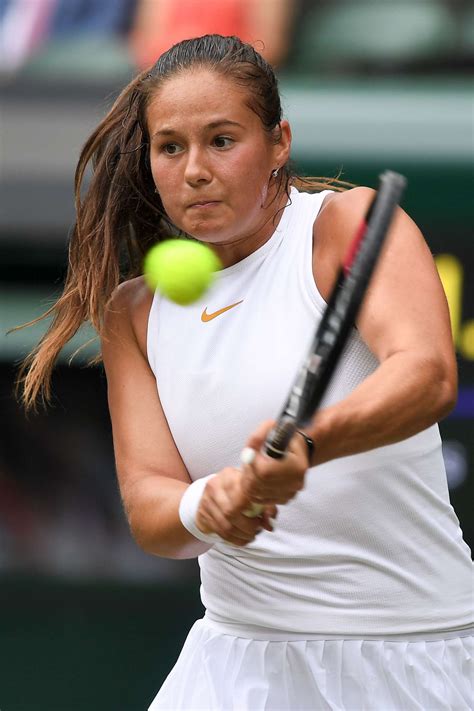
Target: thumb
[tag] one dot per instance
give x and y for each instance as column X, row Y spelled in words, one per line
column 258, row 437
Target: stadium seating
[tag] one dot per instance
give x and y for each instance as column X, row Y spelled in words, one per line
column 382, row 33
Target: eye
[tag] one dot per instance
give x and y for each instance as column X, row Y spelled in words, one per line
column 223, row 142
column 171, row 149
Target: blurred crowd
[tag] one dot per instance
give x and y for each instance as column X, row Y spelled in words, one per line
column 60, row 509
column 146, row 27
column 299, row 34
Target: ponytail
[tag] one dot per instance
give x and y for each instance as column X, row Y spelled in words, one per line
column 117, row 220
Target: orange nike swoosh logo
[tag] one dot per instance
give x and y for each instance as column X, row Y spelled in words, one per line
column 208, row 317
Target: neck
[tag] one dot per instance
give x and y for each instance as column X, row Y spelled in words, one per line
column 234, row 250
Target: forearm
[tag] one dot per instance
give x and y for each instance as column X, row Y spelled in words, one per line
column 403, row 396
column 152, row 506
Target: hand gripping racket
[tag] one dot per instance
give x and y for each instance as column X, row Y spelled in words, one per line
column 336, row 323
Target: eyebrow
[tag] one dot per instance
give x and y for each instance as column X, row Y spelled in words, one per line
column 212, row 125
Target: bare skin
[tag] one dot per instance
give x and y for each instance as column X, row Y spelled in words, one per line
column 404, row 322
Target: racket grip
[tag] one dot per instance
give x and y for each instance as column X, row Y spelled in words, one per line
column 254, row 511
column 247, row 457
column 275, row 446
column 279, row 438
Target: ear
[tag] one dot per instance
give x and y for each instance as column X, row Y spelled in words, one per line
column 283, row 147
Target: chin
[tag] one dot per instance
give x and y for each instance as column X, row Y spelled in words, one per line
column 206, row 233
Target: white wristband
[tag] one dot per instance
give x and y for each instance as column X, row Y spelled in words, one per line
column 188, row 508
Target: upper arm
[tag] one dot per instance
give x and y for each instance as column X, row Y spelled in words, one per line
column 405, row 307
column 143, row 443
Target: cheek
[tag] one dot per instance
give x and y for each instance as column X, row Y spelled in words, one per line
column 249, row 175
column 166, row 184
column 160, row 175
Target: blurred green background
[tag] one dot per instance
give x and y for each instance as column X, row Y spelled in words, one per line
column 87, row 621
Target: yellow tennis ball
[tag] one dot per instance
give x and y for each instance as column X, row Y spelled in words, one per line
column 181, row 269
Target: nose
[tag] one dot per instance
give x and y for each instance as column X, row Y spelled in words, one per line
column 197, row 170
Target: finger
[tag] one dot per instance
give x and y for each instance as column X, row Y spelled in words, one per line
column 255, row 487
column 271, row 511
column 249, row 526
column 226, row 529
column 298, row 447
column 229, row 520
column 267, row 521
column 258, row 437
column 246, row 525
column 247, row 457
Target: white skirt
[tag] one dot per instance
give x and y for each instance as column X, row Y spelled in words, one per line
column 223, row 672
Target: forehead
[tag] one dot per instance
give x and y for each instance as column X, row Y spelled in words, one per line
column 198, row 94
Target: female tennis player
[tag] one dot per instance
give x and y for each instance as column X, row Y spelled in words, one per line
column 358, row 594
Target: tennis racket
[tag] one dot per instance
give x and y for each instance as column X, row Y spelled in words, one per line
column 337, row 321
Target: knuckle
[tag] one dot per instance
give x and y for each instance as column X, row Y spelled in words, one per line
column 238, row 542
column 255, row 494
column 211, row 486
column 202, row 525
column 228, row 528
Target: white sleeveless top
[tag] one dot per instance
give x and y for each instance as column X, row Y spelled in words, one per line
column 371, row 546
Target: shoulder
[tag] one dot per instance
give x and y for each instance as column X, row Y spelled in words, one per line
column 127, row 311
column 127, row 300
column 341, row 215
column 341, row 211
column 333, row 230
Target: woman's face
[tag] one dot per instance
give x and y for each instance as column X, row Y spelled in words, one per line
column 211, row 160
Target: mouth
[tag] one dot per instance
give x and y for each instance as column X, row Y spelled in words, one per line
column 204, row 204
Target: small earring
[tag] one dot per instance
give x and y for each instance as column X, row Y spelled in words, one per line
column 275, row 173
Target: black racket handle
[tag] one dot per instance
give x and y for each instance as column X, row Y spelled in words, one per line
column 279, row 438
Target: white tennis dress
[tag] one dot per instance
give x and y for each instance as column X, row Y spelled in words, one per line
column 362, row 596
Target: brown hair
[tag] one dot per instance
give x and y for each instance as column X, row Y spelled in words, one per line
column 120, row 214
